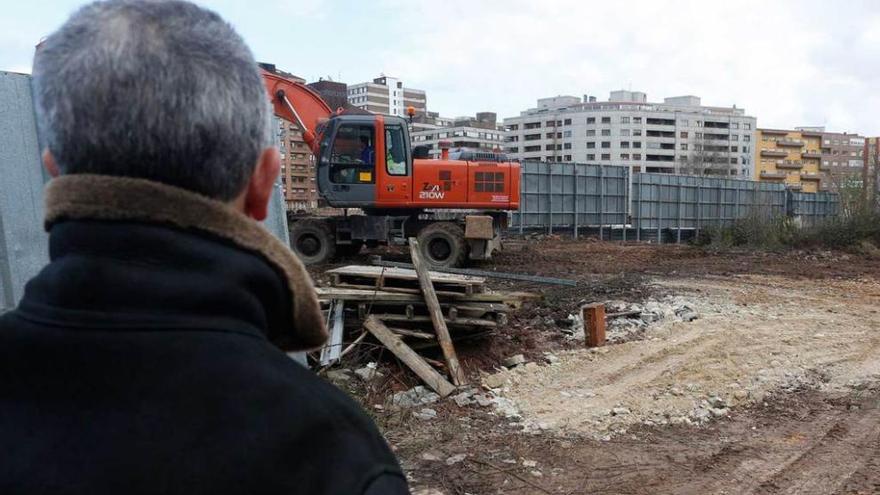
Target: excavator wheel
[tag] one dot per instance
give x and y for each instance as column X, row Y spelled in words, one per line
column 442, row 245
column 313, row 241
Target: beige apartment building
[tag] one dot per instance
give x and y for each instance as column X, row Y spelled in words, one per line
column 388, row 96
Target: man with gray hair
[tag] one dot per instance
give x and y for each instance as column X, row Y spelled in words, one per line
column 147, row 357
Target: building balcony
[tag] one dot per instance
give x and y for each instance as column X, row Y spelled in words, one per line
column 794, row 187
column 775, row 132
column 811, row 176
column 790, row 164
column 822, row 166
column 772, row 175
column 811, row 154
column 774, row 153
column 796, row 143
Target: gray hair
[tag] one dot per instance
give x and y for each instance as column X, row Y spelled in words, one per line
column 160, row 90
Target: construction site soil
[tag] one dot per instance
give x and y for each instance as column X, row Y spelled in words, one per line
column 773, row 388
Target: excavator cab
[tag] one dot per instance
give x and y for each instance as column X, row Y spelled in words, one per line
column 364, row 161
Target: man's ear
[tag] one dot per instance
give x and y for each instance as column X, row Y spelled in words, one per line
column 50, row 164
column 260, row 187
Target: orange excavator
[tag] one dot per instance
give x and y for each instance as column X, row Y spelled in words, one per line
column 455, row 207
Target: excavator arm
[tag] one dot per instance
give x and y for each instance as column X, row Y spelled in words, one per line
column 296, row 102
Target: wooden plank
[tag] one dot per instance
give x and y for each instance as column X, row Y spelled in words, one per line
column 483, row 273
column 405, row 274
column 436, row 313
column 594, row 324
column 458, row 322
column 354, row 293
column 409, row 357
column 413, row 333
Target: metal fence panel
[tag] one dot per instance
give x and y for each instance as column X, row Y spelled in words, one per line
column 23, row 244
column 571, row 195
column 665, row 201
column 813, row 208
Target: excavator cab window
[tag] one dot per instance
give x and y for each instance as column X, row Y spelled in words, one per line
column 352, row 157
column 395, row 150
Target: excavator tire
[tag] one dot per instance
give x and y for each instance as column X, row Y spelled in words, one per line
column 313, row 241
column 442, row 245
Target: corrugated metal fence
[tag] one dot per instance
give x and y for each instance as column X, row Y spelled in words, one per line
column 571, row 195
column 669, row 208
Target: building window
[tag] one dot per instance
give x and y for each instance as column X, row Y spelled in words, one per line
column 624, row 132
column 698, row 135
column 606, row 156
column 606, row 132
column 637, row 156
column 591, row 145
column 606, row 120
column 568, row 158
column 637, row 120
column 733, row 161
column 606, row 144
column 683, row 146
column 591, row 120
column 566, row 146
column 624, row 156
column 683, row 134
column 624, row 144
column 567, row 122
column 637, row 144
column 637, row 132
column 591, row 132
column 566, row 134
column 747, row 138
column 747, row 126
column 734, row 137
column 734, row 125
column 624, row 120
column 591, row 157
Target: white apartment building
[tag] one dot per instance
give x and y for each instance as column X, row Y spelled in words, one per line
column 387, row 95
column 480, row 133
column 679, row 135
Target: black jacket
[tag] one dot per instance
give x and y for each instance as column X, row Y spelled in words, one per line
column 138, row 362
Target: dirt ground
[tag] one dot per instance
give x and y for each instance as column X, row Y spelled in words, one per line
column 774, row 388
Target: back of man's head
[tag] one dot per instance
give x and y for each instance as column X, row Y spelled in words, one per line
column 161, row 90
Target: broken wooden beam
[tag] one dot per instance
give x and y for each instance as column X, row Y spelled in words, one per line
column 406, row 332
column 409, row 357
column 378, row 261
column 437, row 318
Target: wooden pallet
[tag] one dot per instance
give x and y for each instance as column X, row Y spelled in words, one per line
column 404, row 280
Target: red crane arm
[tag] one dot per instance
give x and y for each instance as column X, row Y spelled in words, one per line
column 296, row 102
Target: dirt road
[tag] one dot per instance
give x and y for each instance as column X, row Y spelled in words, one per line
column 775, row 388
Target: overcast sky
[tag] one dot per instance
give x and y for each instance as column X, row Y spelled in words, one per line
column 788, row 63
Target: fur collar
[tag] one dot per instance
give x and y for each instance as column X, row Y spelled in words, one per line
column 101, row 197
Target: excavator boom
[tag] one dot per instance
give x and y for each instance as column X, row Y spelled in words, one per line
column 297, row 103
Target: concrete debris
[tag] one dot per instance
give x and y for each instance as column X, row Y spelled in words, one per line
column 368, row 372
column 551, row 358
column 619, row 411
column 455, row 459
column 639, row 318
column 425, row 414
column 431, row 456
column 514, row 361
column 416, row 396
column 496, row 380
column 340, row 375
column 529, row 464
column 464, row 398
